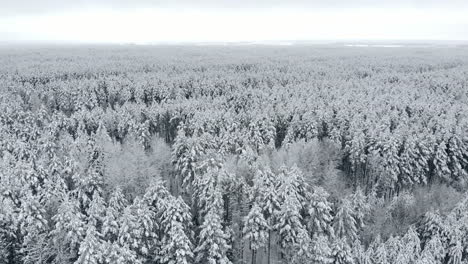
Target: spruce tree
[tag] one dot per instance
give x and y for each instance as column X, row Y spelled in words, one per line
column 138, row 228
column 435, row 249
column 360, row 207
column 97, row 211
column 411, row 247
column 393, row 245
column 268, row 200
column 341, row 252
column 455, row 252
column 380, row 254
column 255, row 229
column 117, row 204
column 289, row 225
column 69, row 230
column 361, row 255
column 320, row 250
column 302, row 250
column 320, row 212
column 91, row 248
column 175, row 245
column 212, row 246
column 344, row 222
column 431, row 226
column 114, row 253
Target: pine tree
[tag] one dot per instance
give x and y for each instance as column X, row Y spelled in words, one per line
column 393, row 246
column 90, row 179
column 319, row 211
column 113, row 253
column 344, row 221
column 425, row 259
column 455, row 252
column 187, row 152
column 32, row 214
column 255, row 229
column 431, row 226
column 156, row 195
column 320, row 250
column 341, row 252
column 212, row 246
column 268, row 199
column 117, row 204
column 361, row 255
column 91, row 248
column 87, row 185
column 7, row 230
column 36, row 247
column 137, row 228
column 265, row 184
column 411, row 247
column 380, row 254
column 69, row 230
column 302, row 250
column 205, row 188
column 360, row 207
column 289, row 224
column 375, row 244
column 434, row 250
column 440, row 162
column 176, row 246
column 96, row 211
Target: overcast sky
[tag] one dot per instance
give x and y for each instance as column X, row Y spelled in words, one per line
column 142, row 21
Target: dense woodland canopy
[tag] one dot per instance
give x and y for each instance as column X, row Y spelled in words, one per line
column 233, row 155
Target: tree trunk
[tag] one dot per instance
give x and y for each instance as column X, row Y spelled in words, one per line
column 269, row 246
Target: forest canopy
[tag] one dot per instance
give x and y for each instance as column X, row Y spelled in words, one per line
column 304, row 154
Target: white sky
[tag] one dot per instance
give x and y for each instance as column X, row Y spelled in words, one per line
column 163, row 23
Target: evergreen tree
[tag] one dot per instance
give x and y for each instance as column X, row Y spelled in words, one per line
column 113, row 253
column 255, row 229
column 425, row 259
column 176, row 246
column 361, row 255
column 344, row 221
column 137, row 228
column 302, row 250
column 96, row 211
column 156, row 196
column 411, row 247
column 117, row 204
column 205, row 188
column 91, row 248
column 455, row 252
column 212, row 246
column 319, row 211
column 266, row 186
column 434, row 250
column 69, row 231
column 289, row 224
column 31, row 216
column 36, row 247
column 431, row 226
column 380, row 254
column 87, row 185
column 320, row 250
column 393, row 246
column 341, row 252
column 360, row 207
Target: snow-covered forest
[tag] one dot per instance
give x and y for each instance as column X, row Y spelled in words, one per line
column 220, row 155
